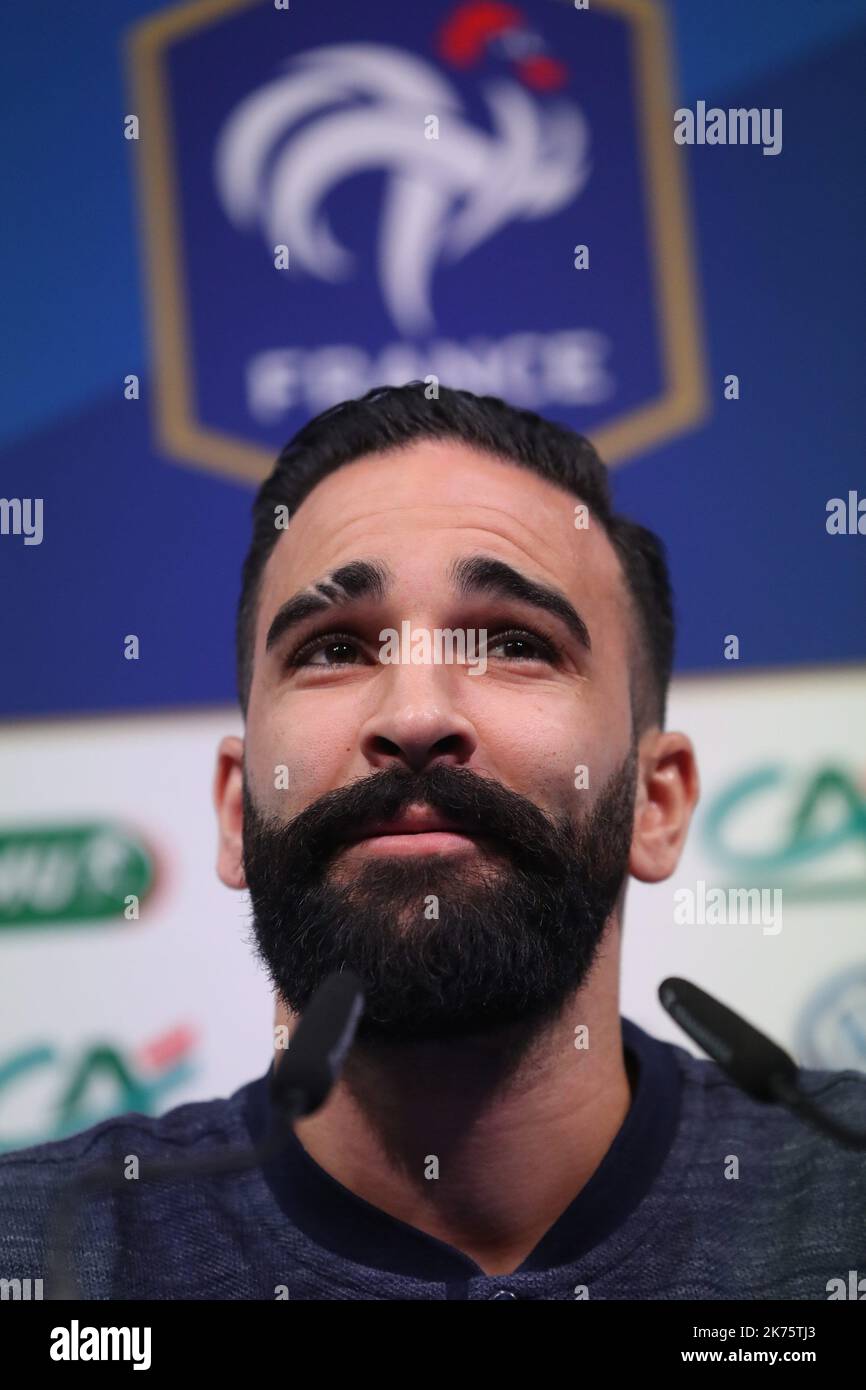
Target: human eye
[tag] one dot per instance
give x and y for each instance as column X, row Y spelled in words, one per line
column 535, row 646
column 324, row 646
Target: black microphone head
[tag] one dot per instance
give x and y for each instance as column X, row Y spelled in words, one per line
column 750, row 1058
column 317, row 1048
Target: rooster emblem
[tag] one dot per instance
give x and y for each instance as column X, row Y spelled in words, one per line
column 344, row 109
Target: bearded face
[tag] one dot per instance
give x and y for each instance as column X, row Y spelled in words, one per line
column 499, row 925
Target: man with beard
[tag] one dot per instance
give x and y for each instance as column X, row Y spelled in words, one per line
column 462, row 841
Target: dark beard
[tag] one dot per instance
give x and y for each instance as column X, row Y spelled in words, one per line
column 517, row 932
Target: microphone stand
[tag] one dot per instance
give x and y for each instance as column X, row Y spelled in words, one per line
column 751, row 1059
column 299, row 1087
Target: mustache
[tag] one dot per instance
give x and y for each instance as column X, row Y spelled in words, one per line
column 477, row 804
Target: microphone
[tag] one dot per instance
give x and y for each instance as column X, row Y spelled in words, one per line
column 299, row 1086
column 303, row 1080
column 756, row 1064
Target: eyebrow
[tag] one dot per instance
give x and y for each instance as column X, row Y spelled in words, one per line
column 484, row 574
column 474, row 574
column 357, row 580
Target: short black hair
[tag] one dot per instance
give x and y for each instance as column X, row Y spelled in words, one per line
column 390, row 417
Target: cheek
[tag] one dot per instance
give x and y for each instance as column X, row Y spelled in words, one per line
column 557, row 746
column 294, row 758
column 533, row 741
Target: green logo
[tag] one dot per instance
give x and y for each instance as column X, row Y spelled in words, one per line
column 90, row 1086
column 58, row 874
column 806, row 836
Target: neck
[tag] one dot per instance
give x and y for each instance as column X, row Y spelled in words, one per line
column 483, row 1142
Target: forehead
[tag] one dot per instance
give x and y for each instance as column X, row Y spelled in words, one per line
column 424, row 503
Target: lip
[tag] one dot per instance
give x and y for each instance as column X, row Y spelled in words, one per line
column 413, row 821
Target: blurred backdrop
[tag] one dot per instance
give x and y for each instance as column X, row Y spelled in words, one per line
column 225, row 215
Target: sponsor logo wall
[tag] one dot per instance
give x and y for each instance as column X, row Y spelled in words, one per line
column 105, row 1010
column 783, row 796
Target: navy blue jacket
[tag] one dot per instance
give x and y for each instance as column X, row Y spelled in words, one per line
column 661, row 1218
